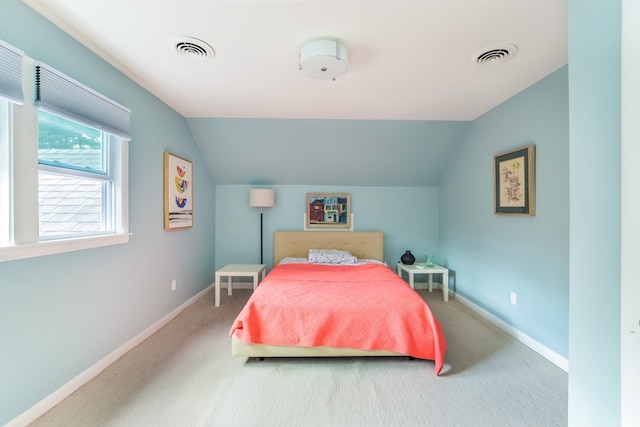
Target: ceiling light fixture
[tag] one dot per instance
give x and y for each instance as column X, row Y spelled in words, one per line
column 324, row 59
column 193, row 48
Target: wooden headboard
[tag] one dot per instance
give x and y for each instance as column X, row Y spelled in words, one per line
column 362, row 244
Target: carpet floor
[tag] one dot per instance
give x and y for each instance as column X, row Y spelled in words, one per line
column 184, row 375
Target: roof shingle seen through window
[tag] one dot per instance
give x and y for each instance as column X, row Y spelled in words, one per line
column 81, row 157
column 69, row 204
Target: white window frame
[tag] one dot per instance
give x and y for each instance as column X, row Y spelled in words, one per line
column 111, row 147
column 22, row 165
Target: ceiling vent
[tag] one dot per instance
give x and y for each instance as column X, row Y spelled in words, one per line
column 496, row 54
column 193, row 48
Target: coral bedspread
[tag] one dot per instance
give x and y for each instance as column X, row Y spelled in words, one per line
column 349, row 306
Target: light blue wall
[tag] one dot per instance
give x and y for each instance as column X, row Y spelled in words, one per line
column 595, row 120
column 407, row 215
column 61, row 314
column 494, row 255
column 365, row 153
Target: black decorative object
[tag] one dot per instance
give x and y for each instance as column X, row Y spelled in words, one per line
column 408, row 258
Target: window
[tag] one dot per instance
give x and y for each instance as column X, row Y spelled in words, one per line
column 63, row 163
column 75, row 178
column 5, row 172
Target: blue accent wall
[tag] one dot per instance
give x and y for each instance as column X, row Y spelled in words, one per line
column 407, row 215
column 392, row 153
column 494, row 255
column 61, row 314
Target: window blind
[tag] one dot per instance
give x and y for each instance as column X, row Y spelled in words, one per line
column 60, row 94
column 11, row 73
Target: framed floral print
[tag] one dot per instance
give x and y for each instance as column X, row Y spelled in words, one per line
column 514, row 182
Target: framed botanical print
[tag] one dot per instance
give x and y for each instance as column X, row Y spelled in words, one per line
column 514, row 182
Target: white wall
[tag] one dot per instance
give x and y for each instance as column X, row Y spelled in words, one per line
column 630, row 325
column 594, row 100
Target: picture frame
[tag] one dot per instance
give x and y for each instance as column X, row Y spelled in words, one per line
column 514, row 182
column 328, row 210
column 178, row 192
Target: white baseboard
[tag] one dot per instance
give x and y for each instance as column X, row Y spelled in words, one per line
column 539, row 348
column 40, row 408
column 66, row 390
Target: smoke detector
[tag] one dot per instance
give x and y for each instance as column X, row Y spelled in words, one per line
column 495, row 54
column 193, row 48
column 324, row 59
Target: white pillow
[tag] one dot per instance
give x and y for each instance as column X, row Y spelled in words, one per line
column 370, row 261
column 331, row 256
column 292, row 260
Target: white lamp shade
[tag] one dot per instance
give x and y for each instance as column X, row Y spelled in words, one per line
column 262, row 198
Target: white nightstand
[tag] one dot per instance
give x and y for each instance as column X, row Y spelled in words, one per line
column 420, row 268
column 238, row 270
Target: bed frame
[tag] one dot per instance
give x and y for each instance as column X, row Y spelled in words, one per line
column 362, row 244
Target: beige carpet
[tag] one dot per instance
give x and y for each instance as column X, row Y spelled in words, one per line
column 184, row 376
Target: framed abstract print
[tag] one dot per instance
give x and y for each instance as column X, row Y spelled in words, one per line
column 178, row 192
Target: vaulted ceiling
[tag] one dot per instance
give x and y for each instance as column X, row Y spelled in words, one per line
column 407, row 61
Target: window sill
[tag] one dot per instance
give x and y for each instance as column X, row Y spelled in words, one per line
column 32, row 250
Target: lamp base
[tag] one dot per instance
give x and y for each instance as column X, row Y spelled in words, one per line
column 261, row 234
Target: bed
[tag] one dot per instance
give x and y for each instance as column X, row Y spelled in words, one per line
column 324, row 308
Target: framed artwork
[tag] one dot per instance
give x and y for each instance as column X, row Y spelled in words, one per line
column 328, row 210
column 178, row 192
column 514, row 182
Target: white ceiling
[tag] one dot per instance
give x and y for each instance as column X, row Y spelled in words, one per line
column 408, row 60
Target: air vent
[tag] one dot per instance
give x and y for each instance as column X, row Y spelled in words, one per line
column 193, row 48
column 493, row 55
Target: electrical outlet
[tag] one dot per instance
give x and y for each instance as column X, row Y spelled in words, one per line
column 174, row 285
column 514, row 298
